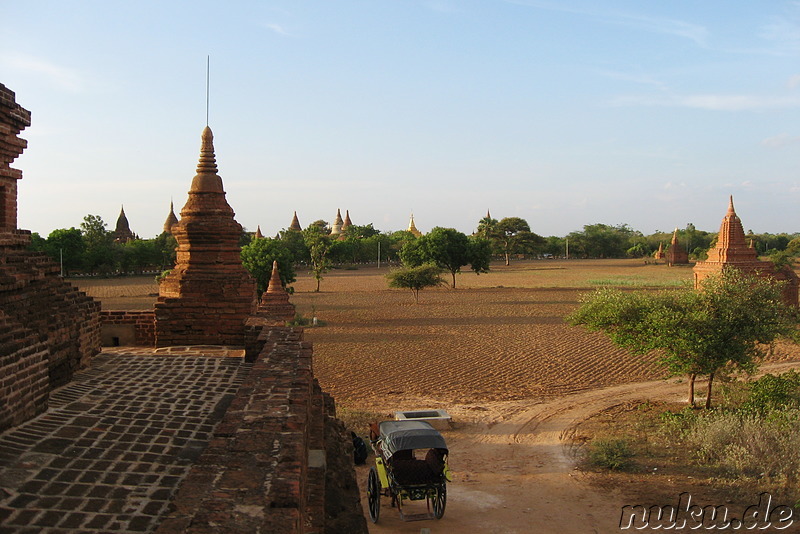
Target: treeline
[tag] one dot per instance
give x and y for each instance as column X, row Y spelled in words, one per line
column 91, row 249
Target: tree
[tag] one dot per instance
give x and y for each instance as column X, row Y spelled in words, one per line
column 67, row 247
column 293, row 240
column 449, row 249
column 257, row 258
column 415, row 278
column 318, row 243
column 602, row 241
column 166, row 245
column 486, row 227
column 99, row 242
column 728, row 322
column 513, row 236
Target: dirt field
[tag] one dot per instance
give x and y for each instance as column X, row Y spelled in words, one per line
column 496, row 354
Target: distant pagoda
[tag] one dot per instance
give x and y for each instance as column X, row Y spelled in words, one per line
column 413, row 228
column 295, row 224
column 676, row 254
column 732, row 251
column 171, row 221
column 336, row 227
column 122, row 232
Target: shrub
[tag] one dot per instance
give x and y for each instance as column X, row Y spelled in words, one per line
column 612, row 454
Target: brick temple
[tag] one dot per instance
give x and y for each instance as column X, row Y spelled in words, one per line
column 732, row 250
column 676, row 254
column 208, row 295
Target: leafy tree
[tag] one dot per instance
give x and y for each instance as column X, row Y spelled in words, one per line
column 449, row 249
column 318, row 243
column 66, row 245
column 486, row 227
column 513, row 236
column 166, row 245
column 728, row 322
column 602, row 241
column 257, row 258
column 415, row 278
column 293, row 240
column 99, row 243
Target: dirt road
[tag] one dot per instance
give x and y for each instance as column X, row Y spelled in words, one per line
column 515, row 471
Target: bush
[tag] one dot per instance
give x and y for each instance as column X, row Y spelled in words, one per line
column 612, row 454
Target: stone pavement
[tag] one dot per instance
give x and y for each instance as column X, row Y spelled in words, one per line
column 116, row 442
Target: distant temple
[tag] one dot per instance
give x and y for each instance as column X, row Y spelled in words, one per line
column 676, row 254
column 659, row 254
column 258, row 234
column 412, row 227
column 295, row 224
column 171, row 221
column 336, row 227
column 122, row 232
column 732, row 250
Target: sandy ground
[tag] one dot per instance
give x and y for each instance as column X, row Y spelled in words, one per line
column 497, row 355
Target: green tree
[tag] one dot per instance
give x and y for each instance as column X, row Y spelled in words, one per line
column 66, row 245
column 293, row 240
column 257, row 258
column 99, row 242
column 166, row 247
column 513, row 236
column 486, row 227
column 449, row 249
column 318, row 243
column 602, row 241
column 415, row 278
column 728, row 322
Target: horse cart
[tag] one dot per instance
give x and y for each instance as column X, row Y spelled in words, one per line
column 410, row 464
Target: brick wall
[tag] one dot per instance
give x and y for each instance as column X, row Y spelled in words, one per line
column 277, row 457
column 124, row 328
column 48, row 329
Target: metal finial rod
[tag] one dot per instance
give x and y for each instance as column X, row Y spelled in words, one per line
column 208, row 77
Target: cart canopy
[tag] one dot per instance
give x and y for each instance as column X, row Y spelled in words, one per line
column 406, row 435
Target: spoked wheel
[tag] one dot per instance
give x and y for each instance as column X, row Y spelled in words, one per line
column 374, row 495
column 438, row 501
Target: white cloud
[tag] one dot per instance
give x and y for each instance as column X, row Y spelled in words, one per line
column 62, row 77
column 713, row 102
column 665, row 26
column 794, row 82
column 276, row 28
column 781, row 140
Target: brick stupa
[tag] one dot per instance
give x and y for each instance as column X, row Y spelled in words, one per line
column 295, row 224
column 676, row 254
column 732, row 251
column 659, row 254
column 208, row 295
column 275, row 300
column 172, row 219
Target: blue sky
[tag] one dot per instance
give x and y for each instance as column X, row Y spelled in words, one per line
column 565, row 113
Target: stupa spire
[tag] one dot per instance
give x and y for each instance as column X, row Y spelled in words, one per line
column 295, row 223
column 207, row 179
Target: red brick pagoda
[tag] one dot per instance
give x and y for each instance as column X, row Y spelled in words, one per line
column 207, row 297
column 732, row 250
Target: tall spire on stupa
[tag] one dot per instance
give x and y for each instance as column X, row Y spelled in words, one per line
column 207, row 296
column 731, row 243
column 122, row 232
column 336, row 227
column 295, row 223
column 259, row 235
column 172, row 219
column 412, row 227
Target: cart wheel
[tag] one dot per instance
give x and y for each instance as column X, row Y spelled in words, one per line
column 374, row 495
column 438, row 501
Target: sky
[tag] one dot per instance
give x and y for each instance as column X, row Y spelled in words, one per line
column 563, row 112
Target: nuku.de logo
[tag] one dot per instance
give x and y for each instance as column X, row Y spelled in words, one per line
column 684, row 514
